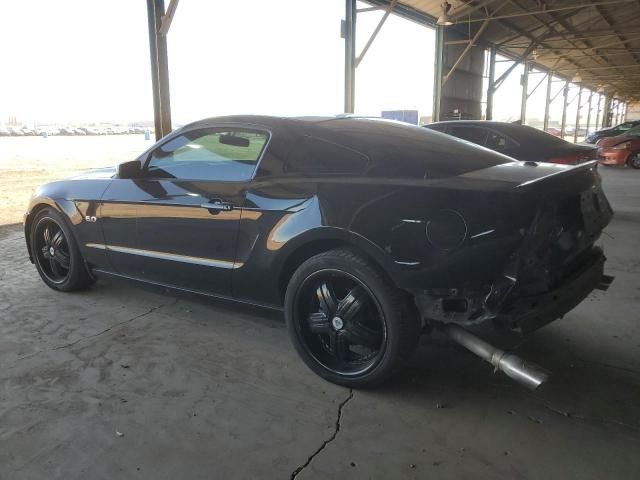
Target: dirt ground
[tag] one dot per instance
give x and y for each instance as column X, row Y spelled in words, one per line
column 120, row 382
column 26, row 162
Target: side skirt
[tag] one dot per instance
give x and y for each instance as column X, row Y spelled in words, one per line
column 274, row 308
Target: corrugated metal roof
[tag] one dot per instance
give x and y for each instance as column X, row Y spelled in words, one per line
column 598, row 38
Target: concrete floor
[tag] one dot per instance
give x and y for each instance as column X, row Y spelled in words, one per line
column 198, row 390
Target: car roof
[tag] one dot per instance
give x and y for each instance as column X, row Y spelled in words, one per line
column 381, row 140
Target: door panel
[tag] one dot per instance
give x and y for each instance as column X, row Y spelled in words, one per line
column 158, row 230
column 184, row 243
column 177, row 222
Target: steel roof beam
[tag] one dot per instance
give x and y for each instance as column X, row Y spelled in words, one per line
column 547, row 10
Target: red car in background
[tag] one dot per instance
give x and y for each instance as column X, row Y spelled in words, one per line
column 621, row 150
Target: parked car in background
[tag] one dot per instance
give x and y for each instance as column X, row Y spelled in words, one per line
column 518, row 141
column 611, row 131
column 621, row 150
column 4, row 132
column 365, row 232
column 555, row 131
column 582, row 131
column 16, row 132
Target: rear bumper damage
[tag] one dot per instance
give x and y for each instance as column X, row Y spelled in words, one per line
column 523, row 313
column 554, row 268
column 529, row 313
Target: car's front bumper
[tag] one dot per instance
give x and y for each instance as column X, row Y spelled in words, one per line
column 613, row 157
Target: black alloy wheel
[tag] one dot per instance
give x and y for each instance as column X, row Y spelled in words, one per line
column 340, row 322
column 634, row 161
column 348, row 321
column 52, row 250
column 56, row 254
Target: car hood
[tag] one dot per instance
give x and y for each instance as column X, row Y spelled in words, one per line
column 95, row 174
column 611, row 141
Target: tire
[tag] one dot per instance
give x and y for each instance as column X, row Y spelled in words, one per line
column 55, row 253
column 634, row 160
column 339, row 297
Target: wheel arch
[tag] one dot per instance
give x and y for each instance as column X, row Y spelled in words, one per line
column 324, row 239
column 37, row 204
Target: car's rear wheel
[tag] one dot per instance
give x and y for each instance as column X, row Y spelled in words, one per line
column 347, row 320
column 634, row 160
column 56, row 253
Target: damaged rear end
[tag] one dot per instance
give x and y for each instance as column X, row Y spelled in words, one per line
column 553, row 266
column 558, row 263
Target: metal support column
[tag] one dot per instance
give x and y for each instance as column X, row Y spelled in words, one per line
column 438, row 71
column 159, row 69
column 606, row 109
column 548, row 101
column 349, row 34
column 589, row 113
column 575, row 130
column 524, row 81
column 491, row 81
column 564, row 109
column 596, row 126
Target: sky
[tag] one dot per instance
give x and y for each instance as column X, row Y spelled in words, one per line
column 88, row 60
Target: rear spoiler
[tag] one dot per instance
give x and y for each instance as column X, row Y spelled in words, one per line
column 586, row 165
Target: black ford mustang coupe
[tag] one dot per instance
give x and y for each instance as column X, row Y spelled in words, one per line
column 367, row 232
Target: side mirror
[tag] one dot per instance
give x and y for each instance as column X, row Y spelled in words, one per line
column 129, row 169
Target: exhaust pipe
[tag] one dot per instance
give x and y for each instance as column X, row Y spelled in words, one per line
column 526, row 373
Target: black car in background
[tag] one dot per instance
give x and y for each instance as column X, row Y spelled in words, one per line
column 518, row 141
column 364, row 232
column 611, row 131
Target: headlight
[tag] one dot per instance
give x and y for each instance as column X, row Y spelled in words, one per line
column 446, row 229
column 622, row 146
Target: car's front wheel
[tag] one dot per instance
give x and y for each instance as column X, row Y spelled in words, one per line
column 348, row 322
column 634, row 160
column 56, row 254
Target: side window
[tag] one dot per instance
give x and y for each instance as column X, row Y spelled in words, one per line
column 223, row 154
column 624, row 126
column 471, row 134
column 497, row 142
column 316, row 156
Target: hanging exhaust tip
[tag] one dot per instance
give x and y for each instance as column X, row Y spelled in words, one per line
column 526, row 373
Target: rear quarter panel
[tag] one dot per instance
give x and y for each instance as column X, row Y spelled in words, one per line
column 384, row 219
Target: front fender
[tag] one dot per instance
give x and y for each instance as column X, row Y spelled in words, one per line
column 65, row 207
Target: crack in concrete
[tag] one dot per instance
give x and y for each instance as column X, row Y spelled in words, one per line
column 589, row 420
column 81, row 339
column 326, row 442
column 608, row 365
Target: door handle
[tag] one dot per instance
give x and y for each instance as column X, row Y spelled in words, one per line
column 217, row 205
